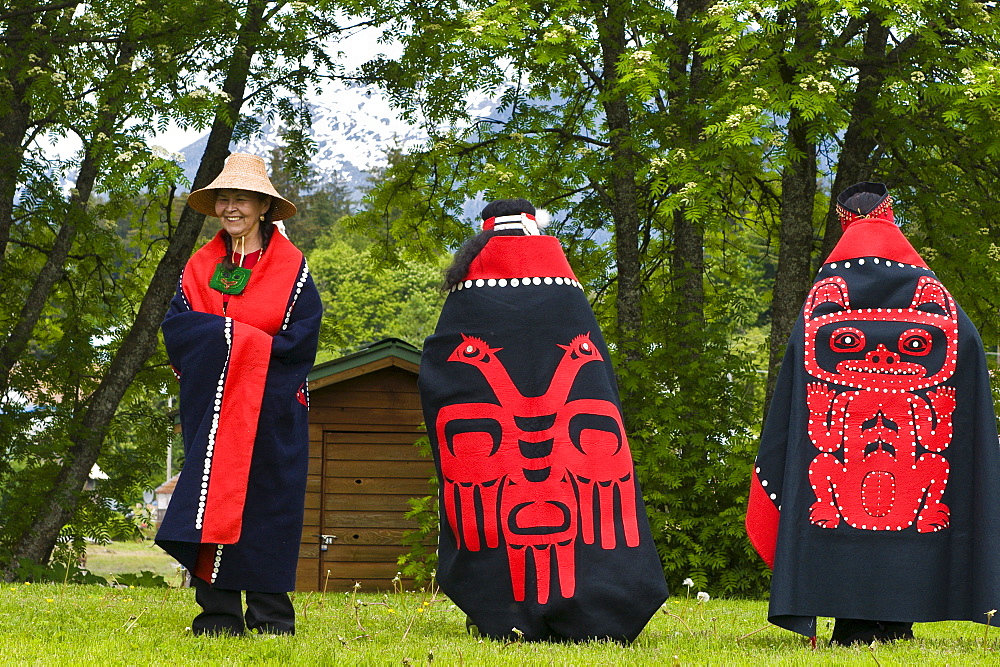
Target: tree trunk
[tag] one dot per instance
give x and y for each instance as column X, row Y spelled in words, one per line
column 13, row 126
column 792, row 277
column 688, row 274
column 622, row 193
column 76, row 212
column 37, row 542
column 854, row 162
column 51, row 272
column 15, row 118
column 688, row 259
column 798, row 192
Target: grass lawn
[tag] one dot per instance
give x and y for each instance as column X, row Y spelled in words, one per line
column 130, row 557
column 54, row 624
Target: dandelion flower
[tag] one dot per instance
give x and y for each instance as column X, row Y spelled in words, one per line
column 702, row 596
column 689, row 582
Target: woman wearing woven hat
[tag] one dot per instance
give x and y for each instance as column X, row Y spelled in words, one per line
column 241, row 334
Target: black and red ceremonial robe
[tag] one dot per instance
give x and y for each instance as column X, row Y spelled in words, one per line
column 876, row 491
column 543, row 527
column 244, row 418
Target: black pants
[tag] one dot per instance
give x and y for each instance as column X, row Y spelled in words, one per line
column 222, row 611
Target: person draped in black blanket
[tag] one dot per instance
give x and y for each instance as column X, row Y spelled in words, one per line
column 875, row 496
column 544, row 534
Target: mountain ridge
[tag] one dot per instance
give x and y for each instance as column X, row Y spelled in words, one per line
column 354, row 128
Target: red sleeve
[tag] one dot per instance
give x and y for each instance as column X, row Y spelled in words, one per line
column 762, row 521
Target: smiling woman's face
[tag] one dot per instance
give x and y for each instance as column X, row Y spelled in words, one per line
column 239, row 212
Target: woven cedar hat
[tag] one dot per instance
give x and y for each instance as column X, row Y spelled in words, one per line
column 242, row 171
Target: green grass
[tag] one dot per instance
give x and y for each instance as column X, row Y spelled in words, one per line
column 130, row 557
column 52, row 624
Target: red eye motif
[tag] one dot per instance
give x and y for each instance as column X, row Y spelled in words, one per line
column 847, row 339
column 915, row 342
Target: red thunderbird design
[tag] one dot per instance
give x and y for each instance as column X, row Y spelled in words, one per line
column 530, row 467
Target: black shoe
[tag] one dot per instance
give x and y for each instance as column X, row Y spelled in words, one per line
column 216, row 631
column 850, row 631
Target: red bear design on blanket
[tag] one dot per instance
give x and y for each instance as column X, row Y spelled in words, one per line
column 881, row 466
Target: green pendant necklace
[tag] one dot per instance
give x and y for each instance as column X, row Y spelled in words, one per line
column 233, row 281
column 229, row 282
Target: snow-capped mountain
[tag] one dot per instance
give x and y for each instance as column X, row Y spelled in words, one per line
column 353, row 127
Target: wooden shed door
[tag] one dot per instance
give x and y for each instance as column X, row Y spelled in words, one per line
column 368, row 476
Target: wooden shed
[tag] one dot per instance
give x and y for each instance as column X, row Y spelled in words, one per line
column 363, row 467
column 163, row 493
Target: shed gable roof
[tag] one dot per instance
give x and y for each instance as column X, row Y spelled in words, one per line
column 389, row 352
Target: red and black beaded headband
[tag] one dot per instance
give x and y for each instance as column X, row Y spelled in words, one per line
column 881, row 212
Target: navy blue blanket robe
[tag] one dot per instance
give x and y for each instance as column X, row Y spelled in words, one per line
column 876, row 491
column 239, row 501
column 543, row 527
